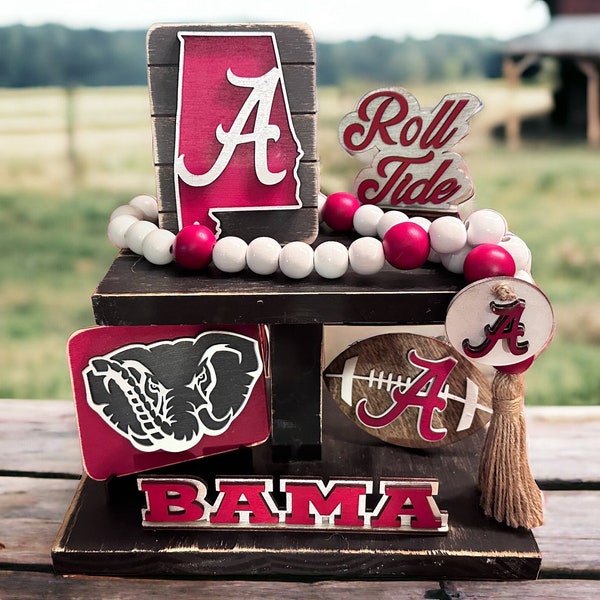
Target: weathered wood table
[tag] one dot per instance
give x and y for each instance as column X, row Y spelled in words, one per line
column 41, row 466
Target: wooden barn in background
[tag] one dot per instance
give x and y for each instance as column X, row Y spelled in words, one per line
column 572, row 38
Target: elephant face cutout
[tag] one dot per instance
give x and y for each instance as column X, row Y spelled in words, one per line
column 171, row 396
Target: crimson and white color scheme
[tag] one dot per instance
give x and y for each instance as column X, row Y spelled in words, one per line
column 151, row 396
column 408, row 148
column 498, row 333
column 235, row 148
column 399, row 505
column 409, row 390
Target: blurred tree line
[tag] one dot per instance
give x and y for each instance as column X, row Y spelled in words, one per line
column 54, row 55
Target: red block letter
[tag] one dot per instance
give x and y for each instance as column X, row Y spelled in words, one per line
column 309, row 500
column 409, row 505
column 173, row 500
column 244, row 501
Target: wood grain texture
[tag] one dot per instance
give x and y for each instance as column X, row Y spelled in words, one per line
column 570, row 537
column 100, row 541
column 31, row 511
column 384, row 358
column 297, row 55
column 563, row 446
column 291, row 225
column 40, row 437
column 137, row 293
column 545, row 589
column 24, row 586
column 284, row 225
column 163, row 129
column 299, row 83
column 18, row 585
column 295, row 40
column 35, row 507
column 561, row 441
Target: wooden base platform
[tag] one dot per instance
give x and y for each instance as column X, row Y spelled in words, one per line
column 102, row 532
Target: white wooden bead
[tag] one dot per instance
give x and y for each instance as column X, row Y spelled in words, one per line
column 331, row 260
column 485, row 226
column 366, row 218
column 519, row 250
column 262, row 255
column 389, row 219
column 126, row 209
column 229, row 254
column 118, row 227
column 157, row 247
column 148, row 205
column 422, row 221
column 447, row 235
column 136, row 234
column 434, row 256
column 454, row 262
column 525, row 276
column 296, row 260
column 366, row 256
column 321, row 199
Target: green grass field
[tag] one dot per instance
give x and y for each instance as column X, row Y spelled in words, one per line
column 54, row 211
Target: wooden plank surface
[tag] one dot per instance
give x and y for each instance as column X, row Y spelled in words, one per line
column 39, row 437
column 100, row 541
column 19, row 585
column 299, row 82
column 295, row 40
column 297, row 58
column 31, row 512
column 564, row 443
column 32, row 508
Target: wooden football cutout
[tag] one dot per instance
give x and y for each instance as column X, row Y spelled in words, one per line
column 409, row 390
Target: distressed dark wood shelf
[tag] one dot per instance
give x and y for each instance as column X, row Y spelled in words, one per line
column 103, row 533
column 134, row 292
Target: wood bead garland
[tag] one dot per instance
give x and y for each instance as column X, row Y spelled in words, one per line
column 446, row 239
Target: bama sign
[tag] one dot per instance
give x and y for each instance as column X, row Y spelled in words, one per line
column 400, row 505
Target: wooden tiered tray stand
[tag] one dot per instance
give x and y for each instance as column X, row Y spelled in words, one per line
column 103, row 534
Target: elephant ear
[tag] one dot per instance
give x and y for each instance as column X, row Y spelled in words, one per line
column 228, row 369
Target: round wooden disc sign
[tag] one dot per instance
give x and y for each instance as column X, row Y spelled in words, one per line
column 409, row 390
column 500, row 321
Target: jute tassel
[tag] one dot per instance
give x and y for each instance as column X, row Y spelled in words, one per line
column 509, row 493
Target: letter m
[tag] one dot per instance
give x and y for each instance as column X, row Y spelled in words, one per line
column 341, row 502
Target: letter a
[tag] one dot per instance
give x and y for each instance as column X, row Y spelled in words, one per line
column 261, row 97
column 507, row 327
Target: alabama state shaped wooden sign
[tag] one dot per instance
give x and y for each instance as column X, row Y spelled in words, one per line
column 409, row 390
column 234, row 128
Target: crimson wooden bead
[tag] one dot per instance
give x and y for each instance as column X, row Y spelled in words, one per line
column 193, row 247
column 406, row 245
column 517, row 368
column 488, row 260
column 339, row 210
